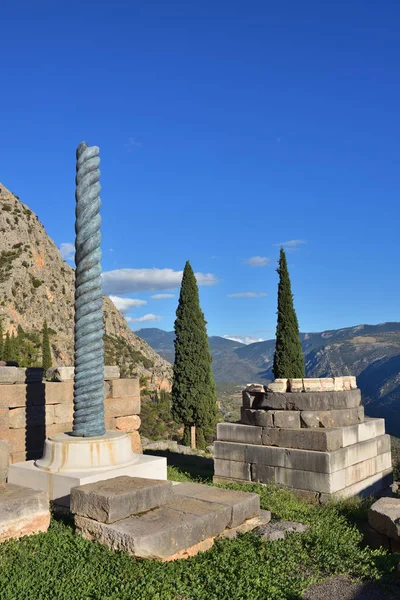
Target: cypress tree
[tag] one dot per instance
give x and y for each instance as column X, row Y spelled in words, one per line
column 8, row 351
column 194, row 398
column 46, row 352
column 288, row 358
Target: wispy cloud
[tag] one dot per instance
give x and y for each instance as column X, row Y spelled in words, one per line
column 243, row 339
column 132, row 144
column 258, row 261
column 129, row 281
column 67, row 251
column 126, row 304
column 247, row 295
column 291, row 243
column 162, row 296
column 149, row 318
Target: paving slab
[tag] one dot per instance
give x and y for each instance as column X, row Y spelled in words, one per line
column 23, row 511
column 118, row 498
column 243, row 505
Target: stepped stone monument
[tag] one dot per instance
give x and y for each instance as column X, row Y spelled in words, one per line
column 88, row 453
column 307, row 434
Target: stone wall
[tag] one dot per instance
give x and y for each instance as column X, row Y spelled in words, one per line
column 32, row 409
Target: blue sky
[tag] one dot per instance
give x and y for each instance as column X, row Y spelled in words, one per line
column 225, row 128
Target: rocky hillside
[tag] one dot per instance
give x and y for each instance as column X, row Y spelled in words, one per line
column 37, row 284
column 371, row 352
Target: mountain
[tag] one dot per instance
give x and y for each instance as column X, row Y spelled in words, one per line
column 371, row 352
column 37, row 284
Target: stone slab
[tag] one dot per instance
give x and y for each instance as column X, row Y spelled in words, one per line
column 67, row 373
column 20, row 374
column 243, row 505
column 124, row 388
column 118, row 498
column 279, row 530
column 160, row 532
column 232, row 469
column 384, row 516
column 128, row 424
column 332, row 418
column 289, row 419
column 122, row 407
column 323, row 400
column 233, row 432
column 58, row 485
column 259, row 418
column 369, row 486
column 23, row 511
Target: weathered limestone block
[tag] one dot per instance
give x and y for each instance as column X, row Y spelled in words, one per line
column 349, row 382
column 124, row 388
column 4, row 418
column 279, row 530
column 121, row 407
column 13, row 396
column 278, row 385
column 312, row 385
column 32, row 416
column 4, row 460
column 233, row 432
column 67, row 373
column 20, row 375
column 136, row 443
column 332, row 418
column 232, row 469
column 116, row 499
column 295, row 385
column 384, row 516
column 23, row 511
column 327, row 384
column 254, row 387
column 247, row 399
column 58, row 392
column 243, row 505
column 322, row 440
column 230, row 451
column 19, row 441
column 288, row 419
column 128, row 424
column 338, row 384
column 259, row 418
column 262, row 473
column 310, row 400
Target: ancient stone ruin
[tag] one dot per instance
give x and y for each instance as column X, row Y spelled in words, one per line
column 307, row 434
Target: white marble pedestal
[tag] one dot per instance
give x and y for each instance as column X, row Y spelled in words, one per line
column 70, row 461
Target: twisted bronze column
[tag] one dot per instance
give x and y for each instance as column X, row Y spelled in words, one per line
column 89, row 351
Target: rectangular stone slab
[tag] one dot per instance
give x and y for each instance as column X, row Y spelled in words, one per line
column 118, row 498
column 23, row 511
column 243, row 505
column 308, row 400
column 161, row 532
column 235, row 432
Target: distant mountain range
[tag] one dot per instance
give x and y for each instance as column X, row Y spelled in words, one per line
column 371, row 352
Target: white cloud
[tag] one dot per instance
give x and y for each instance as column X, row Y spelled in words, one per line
column 243, row 339
column 67, row 251
column 125, row 304
column 291, row 243
column 162, row 296
column 145, row 319
column 247, row 295
column 129, row 281
column 132, row 144
column 258, row 261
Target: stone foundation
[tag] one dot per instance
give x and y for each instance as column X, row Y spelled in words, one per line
column 307, row 434
column 32, row 409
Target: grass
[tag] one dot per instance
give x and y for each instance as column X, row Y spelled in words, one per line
column 59, row 565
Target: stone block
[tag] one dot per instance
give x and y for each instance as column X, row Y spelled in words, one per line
column 127, row 424
column 124, row 388
column 116, row 499
column 279, row 530
column 58, row 428
column 13, row 396
column 161, row 532
column 31, row 416
column 252, row 388
column 111, row 372
column 262, row 473
column 312, row 385
column 243, row 505
column 327, row 384
column 266, row 455
column 257, row 417
column 288, row 419
column 60, row 373
column 371, row 428
column 121, row 407
column 23, row 511
column 338, row 384
column 278, row 385
column 232, row 469
column 310, row 400
column 20, row 375
column 20, row 440
column 367, row 487
column 323, row 440
column 332, row 418
column 233, row 432
column 383, row 461
column 58, row 392
column 309, row 419
column 384, row 516
column 4, row 460
column 308, row 480
column 63, row 413
column 4, row 418
column 349, row 382
column 383, row 444
column 295, row 385
column 230, row 451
